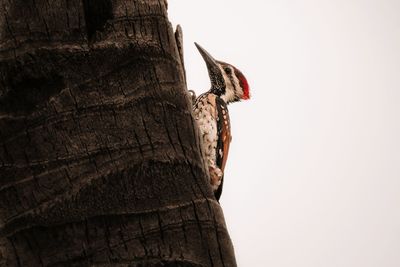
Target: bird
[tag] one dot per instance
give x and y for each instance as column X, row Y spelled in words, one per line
column 210, row 110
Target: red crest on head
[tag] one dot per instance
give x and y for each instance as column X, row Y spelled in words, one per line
column 244, row 84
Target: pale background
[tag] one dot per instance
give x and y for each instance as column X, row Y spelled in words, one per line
column 313, row 178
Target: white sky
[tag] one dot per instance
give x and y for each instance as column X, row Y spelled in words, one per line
column 313, row 177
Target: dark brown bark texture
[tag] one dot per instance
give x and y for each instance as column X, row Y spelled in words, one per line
column 100, row 162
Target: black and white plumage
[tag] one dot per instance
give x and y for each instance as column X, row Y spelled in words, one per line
column 210, row 110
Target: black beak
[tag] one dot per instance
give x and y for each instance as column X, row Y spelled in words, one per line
column 212, row 65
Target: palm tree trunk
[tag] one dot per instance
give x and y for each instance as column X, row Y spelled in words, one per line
column 100, row 160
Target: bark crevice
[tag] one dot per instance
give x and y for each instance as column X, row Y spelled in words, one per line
column 97, row 13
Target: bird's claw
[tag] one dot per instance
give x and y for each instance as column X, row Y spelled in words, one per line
column 216, row 175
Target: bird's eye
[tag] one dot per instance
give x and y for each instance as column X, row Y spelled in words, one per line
column 228, row 70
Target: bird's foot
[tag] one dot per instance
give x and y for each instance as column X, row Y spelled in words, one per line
column 216, row 175
column 192, row 95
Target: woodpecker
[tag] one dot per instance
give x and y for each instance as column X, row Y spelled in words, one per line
column 228, row 85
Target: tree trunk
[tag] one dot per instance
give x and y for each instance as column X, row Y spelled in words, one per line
column 100, row 160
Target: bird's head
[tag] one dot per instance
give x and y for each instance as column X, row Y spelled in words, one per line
column 226, row 80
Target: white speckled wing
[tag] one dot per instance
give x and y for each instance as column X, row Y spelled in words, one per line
column 211, row 114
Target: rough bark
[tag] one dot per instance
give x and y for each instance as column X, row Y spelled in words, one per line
column 100, row 162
